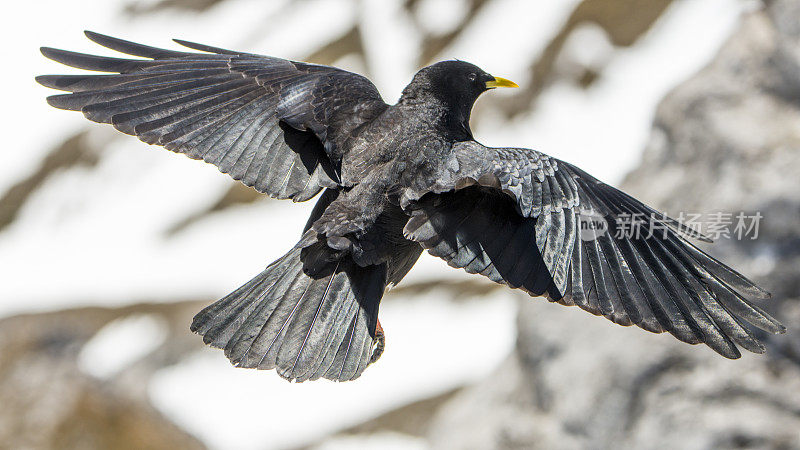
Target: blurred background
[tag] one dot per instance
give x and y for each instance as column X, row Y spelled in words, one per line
column 108, row 246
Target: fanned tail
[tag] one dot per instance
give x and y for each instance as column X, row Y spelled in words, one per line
column 304, row 327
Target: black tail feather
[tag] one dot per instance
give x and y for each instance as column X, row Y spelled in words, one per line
column 304, row 327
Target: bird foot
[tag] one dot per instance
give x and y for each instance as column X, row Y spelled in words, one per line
column 380, row 343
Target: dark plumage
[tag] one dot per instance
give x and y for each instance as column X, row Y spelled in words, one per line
column 398, row 179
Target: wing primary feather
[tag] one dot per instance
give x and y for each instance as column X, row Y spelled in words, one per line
column 212, row 111
column 680, row 324
column 625, row 308
column 140, row 80
column 105, row 106
column 207, row 48
column 697, row 301
column 126, row 65
column 128, row 121
column 132, row 48
column 710, row 300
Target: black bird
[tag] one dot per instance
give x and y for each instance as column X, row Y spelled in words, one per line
column 397, row 180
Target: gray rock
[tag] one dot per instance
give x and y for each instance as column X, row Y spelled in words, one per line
column 50, row 402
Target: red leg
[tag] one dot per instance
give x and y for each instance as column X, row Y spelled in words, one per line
column 380, row 343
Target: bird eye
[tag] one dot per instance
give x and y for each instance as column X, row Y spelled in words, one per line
column 473, row 76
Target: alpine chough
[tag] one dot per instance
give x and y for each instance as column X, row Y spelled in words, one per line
column 397, row 180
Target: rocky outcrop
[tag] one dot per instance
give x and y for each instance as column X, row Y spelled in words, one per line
column 49, row 401
column 727, row 140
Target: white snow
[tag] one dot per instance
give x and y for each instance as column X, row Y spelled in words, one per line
column 508, row 34
column 440, row 17
column 391, row 45
column 121, row 343
column 588, row 46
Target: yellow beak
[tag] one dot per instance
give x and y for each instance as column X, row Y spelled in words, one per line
column 500, row 82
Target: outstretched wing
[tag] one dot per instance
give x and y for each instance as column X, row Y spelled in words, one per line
column 274, row 124
column 514, row 215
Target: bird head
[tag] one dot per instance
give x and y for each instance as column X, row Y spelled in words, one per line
column 456, row 85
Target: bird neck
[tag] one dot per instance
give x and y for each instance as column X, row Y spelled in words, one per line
column 452, row 120
column 456, row 124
